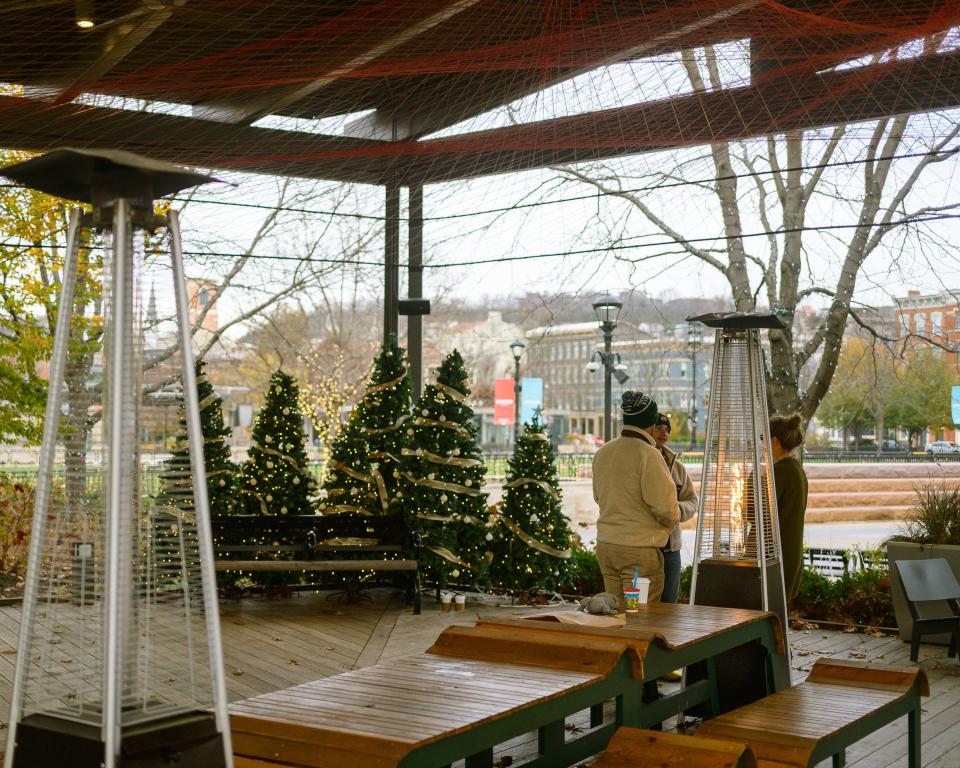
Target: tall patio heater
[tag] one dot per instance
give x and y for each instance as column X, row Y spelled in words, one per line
column 119, row 662
column 737, row 560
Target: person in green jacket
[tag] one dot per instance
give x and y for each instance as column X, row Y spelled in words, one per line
column 790, row 483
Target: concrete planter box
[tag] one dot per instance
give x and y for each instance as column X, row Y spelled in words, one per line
column 908, row 550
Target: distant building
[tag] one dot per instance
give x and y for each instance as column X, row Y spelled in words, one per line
column 922, row 318
column 661, row 367
column 200, row 295
column 484, row 346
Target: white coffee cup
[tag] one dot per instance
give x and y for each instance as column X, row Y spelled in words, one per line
column 459, row 602
column 445, row 599
column 643, row 586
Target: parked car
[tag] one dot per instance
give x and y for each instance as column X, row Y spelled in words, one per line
column 942, row 447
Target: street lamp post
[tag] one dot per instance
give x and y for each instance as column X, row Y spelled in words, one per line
column 608, row 309
column 694, row 342
column 516, row 347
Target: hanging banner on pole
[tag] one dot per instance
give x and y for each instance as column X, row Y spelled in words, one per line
column 531, row 398
column 503, row 402
column 955, row 404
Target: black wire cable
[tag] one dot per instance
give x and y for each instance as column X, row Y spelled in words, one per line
column 535, row 256
column 575, row 198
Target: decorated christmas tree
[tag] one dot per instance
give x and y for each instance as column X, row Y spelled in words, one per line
column 532, row 537
column 349, row 485
column 176, row 478
column 442, row 494
column 381, row 415
column 275, row 478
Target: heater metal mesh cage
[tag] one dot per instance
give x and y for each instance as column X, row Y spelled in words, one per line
column 737, row 512
column 120, row 619
column 158, row 608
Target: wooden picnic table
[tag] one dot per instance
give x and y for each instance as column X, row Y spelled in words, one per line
column 659, row 638
column 480, row 686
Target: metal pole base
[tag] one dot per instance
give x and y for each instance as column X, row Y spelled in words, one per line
column 188, row 740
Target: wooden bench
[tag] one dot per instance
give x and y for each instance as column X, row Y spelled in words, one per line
column 838, row 704
column 638, row 748
column 329, row 543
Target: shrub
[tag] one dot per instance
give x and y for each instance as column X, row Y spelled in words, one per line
column 583, row 574
column 935, row 516
column 686, row 581
column 16, row 511
column 816, row 597
column 864, row 598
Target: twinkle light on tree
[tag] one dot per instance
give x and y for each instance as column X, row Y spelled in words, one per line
column 221, row 471
column 442, row 473
column 324, row 391
column 531, row 538
column 275, row 478
column 349, row 484
column 382, row 414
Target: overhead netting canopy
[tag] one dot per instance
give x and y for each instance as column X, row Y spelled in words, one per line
column 424, row 91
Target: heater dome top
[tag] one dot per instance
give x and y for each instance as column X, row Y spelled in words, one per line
column 76, row 174
column 739, row 320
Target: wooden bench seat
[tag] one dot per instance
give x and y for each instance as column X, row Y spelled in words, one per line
column 319, row 544
column 838, row 704
column 639, row 748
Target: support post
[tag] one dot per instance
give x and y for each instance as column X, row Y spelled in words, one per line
column 391, row 263
column 415, row 289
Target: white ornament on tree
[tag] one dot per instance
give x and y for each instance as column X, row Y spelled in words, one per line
column 455, row 573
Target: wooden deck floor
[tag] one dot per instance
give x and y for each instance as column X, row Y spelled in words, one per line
column 276, row 643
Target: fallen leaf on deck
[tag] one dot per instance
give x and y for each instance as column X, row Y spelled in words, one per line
column 503, row 762
column 238, row 672
column 239, row 621
column 9, row 650
column 849, row 630
column 278, row 639
column 803, row 653
column 858, row 654
column 293, row 661
column 574, row 728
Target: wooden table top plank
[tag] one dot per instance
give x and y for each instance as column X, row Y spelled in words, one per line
column 673, row 626
column 304, row 714
column 597, row 655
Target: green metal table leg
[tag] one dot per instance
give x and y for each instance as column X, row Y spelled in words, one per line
column 913, row 733
column 550, row 738
column 840, row 759
column 714, row 689
column 596, row 715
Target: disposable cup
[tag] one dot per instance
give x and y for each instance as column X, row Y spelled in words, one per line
column 643, row 587
column 459, row 602
column 445, row 601
column 631, row 598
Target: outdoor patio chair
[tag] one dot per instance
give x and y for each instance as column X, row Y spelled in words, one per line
column 931, row 581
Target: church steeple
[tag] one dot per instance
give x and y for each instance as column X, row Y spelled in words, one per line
column 152, row 306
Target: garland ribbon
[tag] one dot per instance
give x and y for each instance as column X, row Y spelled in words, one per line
column 455, row 394
column 340, row 508
column 208, row 401
column 531, row 481
column 442, row 486
column 373, row 388
column 274, row 452
column 536, row 436
column 374, row 478
column 422, row 422
column 448, row 460
column 446, row 554
column 470, row 519
column 527, row 539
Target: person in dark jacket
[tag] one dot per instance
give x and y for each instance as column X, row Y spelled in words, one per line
column 790, row 483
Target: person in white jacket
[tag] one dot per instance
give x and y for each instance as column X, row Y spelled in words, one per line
column 637, row 500
column 688, row 502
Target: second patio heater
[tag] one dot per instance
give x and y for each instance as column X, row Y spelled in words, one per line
column 119, row 662
column 737, row 561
